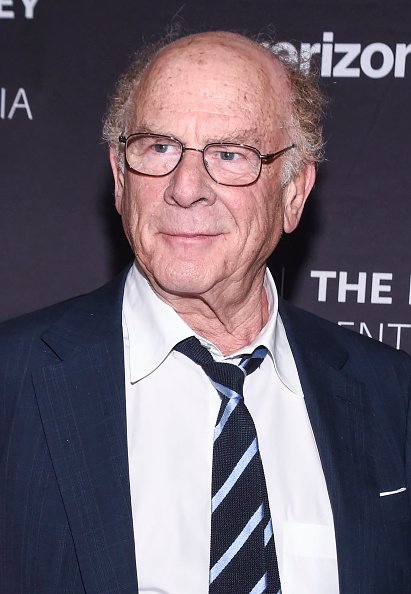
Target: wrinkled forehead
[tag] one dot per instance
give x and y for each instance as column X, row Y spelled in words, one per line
column 225, row 74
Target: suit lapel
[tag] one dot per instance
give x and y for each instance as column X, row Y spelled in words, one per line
column 335, row 406
column 82, row 405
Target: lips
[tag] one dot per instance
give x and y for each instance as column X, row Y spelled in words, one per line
column 190, row 235
column 189, row 240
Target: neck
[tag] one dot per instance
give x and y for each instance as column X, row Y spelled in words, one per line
column 230, row 320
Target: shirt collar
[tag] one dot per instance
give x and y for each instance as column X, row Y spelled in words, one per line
column 152, row 328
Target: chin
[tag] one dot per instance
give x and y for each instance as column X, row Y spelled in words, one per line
column 184, row 279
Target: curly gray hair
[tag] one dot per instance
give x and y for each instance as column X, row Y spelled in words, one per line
column 307, row 104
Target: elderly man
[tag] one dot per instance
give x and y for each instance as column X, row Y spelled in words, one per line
column 182, row 430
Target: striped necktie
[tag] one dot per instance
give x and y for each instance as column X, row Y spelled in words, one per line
column 242, row 549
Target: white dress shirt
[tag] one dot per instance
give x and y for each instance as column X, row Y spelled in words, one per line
column 171, row 413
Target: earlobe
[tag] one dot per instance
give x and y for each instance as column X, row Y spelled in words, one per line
column 295, row 196
column 118, row 175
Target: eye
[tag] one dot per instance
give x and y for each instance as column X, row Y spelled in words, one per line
column 228, row 155
column 161, row 148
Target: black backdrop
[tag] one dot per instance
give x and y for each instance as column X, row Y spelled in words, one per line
column 60, row 235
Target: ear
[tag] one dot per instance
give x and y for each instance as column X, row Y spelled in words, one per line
column 295, row 195
column 118, row 175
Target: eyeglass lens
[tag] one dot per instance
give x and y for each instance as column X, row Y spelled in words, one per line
column 226, row 163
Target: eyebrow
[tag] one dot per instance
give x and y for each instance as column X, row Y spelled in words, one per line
column 145, row 129
column 242, row 136
column 245, row 136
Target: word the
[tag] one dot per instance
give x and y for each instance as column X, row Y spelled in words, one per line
column 379, row 291
column 7, row 12
column 350, row 60
column 9, row 106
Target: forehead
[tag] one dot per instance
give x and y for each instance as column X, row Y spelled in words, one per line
column 221, row 82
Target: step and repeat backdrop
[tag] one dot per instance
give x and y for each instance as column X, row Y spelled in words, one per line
column 60, row 236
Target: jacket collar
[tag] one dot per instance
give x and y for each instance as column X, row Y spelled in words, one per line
column 87, row 319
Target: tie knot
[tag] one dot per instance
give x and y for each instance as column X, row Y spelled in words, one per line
column 227, row 378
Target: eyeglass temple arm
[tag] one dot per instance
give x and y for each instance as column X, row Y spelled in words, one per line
column 271, row 156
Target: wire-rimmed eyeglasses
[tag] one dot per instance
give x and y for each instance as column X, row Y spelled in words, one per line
column 227, row 163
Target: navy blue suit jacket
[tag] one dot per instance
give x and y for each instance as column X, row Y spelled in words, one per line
column 65, row 512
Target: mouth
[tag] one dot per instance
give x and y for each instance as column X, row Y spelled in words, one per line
column 189, row 239
column 190, row 234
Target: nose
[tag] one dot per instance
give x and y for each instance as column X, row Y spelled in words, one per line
column 190, row 183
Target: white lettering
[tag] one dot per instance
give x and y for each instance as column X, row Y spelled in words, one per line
column 359, row 288
column 284, row 47
column 306, row 53
column 3, row 115
column 377, row 288
column 376, row 60
column 327, row 54
column 399, row 328
column 20, row 102
column 6, row 14
column 387, row 60
column 401, row 53
column 374, row 283
column 323, row 276
column 29, row 8
column 345, row 323
column 351, row 51
column 364, row 330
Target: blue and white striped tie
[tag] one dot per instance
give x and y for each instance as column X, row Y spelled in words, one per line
column 242, row 552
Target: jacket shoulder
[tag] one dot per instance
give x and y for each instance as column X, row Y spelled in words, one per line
column 56, row 332
column 28, row 326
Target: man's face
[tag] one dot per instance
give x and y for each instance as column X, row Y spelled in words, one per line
column 189, row 234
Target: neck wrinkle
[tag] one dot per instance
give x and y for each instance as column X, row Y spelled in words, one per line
column 232, row 332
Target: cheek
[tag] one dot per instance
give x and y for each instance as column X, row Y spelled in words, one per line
column 139, row 199
column 262, row 213
column 272, row 202
column 135, row 212
column 265, row 221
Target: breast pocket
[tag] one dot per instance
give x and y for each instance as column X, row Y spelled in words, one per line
column 395, row 505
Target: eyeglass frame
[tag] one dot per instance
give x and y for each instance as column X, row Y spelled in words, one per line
column 265, row 159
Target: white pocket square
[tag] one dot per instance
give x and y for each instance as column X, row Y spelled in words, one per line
column 385, row 493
